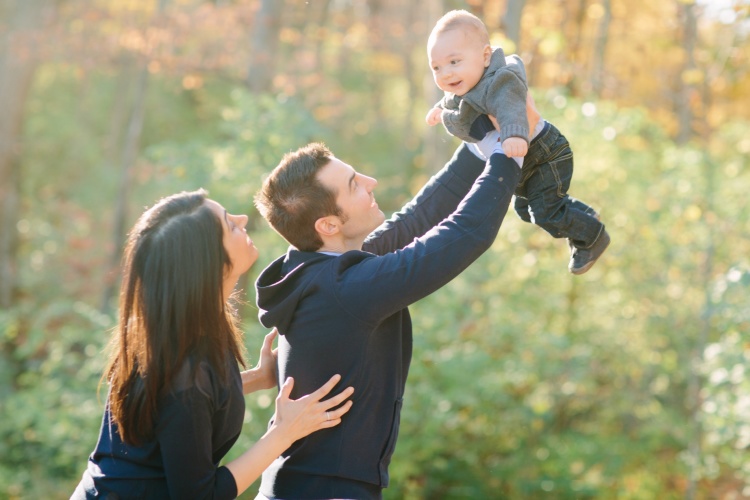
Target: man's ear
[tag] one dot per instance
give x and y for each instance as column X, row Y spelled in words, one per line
column 327, row 226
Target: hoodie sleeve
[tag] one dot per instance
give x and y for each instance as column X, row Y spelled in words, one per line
column 435, row 201
column 380, row 286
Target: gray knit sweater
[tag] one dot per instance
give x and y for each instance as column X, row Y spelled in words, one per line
column 501, row 92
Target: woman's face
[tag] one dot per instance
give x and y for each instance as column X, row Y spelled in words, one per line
column 237, row 243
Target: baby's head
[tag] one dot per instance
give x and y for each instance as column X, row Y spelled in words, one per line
column 459, row 51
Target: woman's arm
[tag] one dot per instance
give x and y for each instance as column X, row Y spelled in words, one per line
column 294, row 419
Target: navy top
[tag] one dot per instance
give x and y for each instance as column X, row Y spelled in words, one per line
column 198, row 422
column 348, row 314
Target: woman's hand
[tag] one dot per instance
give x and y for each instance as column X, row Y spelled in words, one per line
column 303, row 416
column 263, row 376
column 294, row 419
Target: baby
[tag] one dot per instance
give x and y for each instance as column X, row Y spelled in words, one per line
column 480, row 80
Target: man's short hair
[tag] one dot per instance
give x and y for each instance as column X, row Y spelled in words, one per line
column 292, row 198
column 461, row 19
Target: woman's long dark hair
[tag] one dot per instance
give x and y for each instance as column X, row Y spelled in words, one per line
column 171, row 307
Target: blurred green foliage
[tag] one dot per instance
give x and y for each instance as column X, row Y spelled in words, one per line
column 526, row 382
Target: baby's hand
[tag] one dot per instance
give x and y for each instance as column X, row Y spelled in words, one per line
column 515, row 146
column 433, row 117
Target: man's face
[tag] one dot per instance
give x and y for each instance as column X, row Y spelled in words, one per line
column 457, row 60
column 361, row 214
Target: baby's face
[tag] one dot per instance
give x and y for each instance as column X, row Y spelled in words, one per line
column 457, row 60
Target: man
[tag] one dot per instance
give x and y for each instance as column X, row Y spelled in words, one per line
column 339, row 297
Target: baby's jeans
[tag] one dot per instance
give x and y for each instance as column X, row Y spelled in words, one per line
column 542, row 194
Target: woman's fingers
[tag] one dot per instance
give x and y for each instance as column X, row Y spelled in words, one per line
column 338, row 398
column 339, row 412
column 332, row 418
column 325, row 388
column 268, row 339
column 286, row 389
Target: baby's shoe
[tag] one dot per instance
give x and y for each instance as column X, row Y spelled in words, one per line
column 581, row 259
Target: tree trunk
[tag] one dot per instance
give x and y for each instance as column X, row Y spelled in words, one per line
column 265, row 46
column 600, row 47
column 511, row 23
column 18, row 60
column 437, row 144
column 687, row 84
column 321, row 17
column 129, row 155
column 572, row 57
column 130, row 150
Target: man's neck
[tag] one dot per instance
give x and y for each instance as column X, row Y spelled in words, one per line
column 340, row 246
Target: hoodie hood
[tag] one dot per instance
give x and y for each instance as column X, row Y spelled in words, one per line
column 281, row 286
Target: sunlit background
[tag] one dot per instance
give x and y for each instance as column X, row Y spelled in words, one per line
column 630, row 382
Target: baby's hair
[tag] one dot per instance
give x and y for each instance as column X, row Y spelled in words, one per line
column 461, row 19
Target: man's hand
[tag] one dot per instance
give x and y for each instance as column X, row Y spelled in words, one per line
column 515, row 147
column 433, row 117
column 531, row 113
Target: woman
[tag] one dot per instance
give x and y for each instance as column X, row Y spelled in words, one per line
column 175, row 404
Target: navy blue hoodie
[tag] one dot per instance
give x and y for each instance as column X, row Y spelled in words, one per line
column 348, row 314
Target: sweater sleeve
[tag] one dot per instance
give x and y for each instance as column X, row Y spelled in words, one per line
column 436, row 200
column 184, row 434
column 380, row 286
column 505, row 98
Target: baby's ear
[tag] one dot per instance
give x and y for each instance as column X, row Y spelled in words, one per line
column 487, row 55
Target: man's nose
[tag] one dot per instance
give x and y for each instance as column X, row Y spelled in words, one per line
column 371, row 182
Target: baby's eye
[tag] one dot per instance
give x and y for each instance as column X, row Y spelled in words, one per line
column 455, row 61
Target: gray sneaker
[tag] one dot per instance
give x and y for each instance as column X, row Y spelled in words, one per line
column 581, row 259
column 593, row 213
